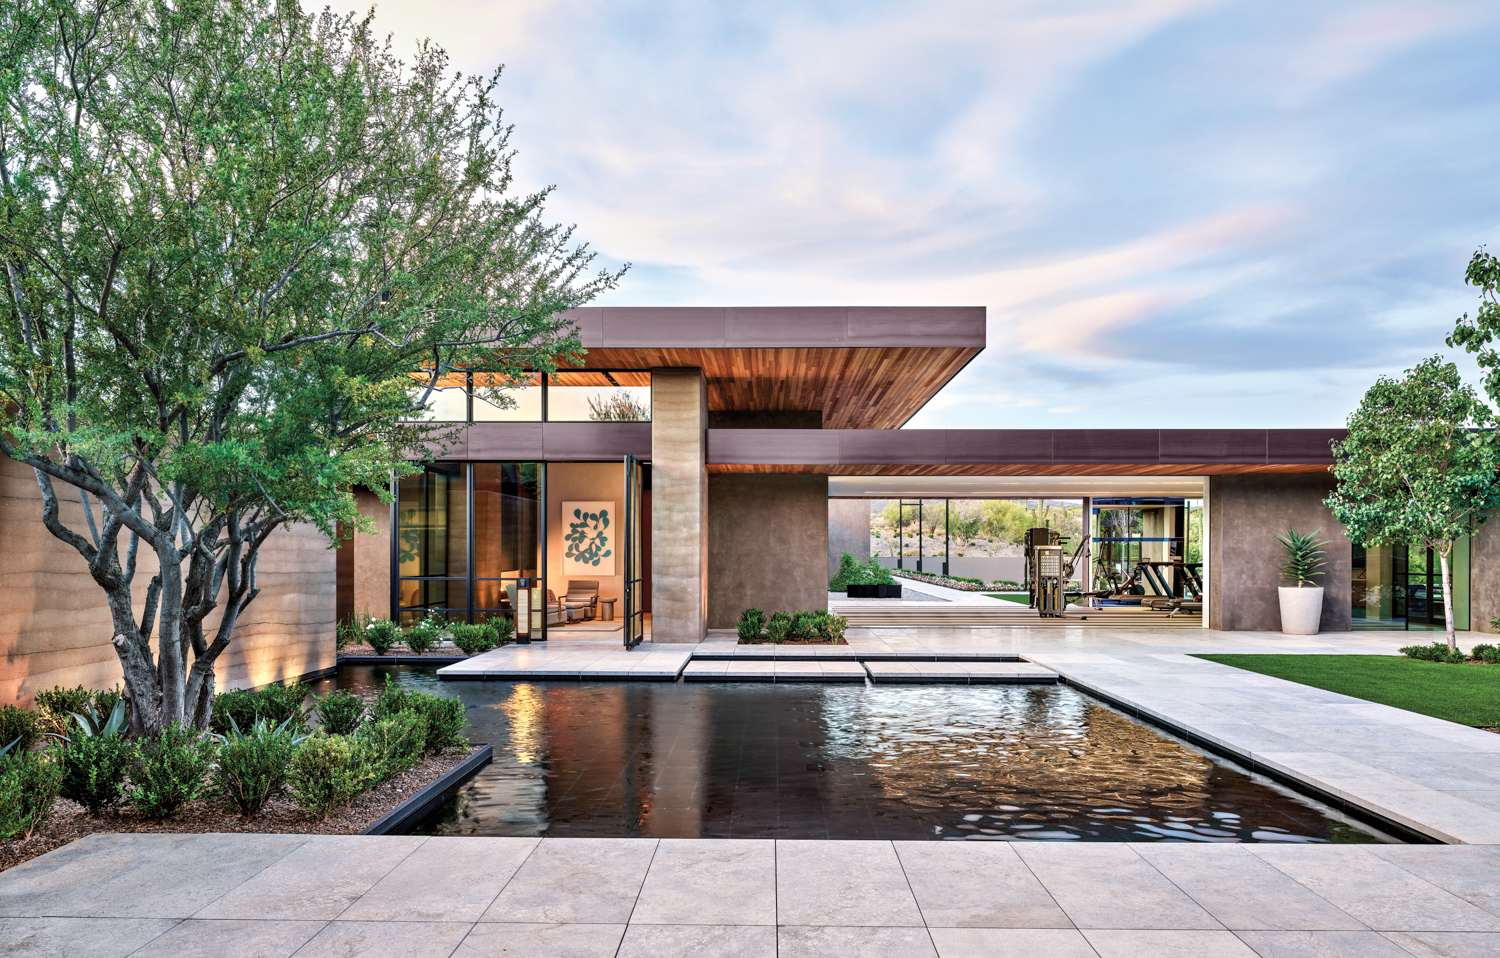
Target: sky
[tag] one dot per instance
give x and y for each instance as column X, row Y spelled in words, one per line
column 1178, row 213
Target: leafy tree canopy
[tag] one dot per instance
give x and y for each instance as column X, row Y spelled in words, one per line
column 1418, row 465
column 241, row 246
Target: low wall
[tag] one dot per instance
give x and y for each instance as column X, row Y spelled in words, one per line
column 55, row 628
column 988, row 568
column 767, row 545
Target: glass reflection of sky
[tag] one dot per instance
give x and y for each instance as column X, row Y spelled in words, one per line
column 1006, row 763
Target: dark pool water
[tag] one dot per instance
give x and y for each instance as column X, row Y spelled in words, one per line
column 1006, row 763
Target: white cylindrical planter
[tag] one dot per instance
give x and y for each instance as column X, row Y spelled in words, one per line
column 1300, row 610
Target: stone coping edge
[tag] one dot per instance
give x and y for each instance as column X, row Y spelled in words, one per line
column 402, row 818
column 1358, row 812
column 792, row 656
column 402, row 659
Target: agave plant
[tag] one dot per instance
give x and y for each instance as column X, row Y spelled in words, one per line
column 89, row 725
column 262, row 729
column 1301, row 556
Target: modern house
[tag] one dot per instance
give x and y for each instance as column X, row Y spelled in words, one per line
column 720, row 458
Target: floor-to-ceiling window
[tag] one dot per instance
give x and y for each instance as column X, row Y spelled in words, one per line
column 1400, row 586
column 465, row 532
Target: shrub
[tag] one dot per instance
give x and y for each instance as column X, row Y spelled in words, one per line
column 849, row 571
column 1486, row 653
column 752, row 622
column 505, row 630
column 233, row 709
column 340, row 713
column 445, row 721
column 170, row 770
column 351, row 630
column 254, row 765
column 28, row 786
column 805, row 624
column 1005, row 585
column 394, row 744
column 280, row 703
column 1436, row 652
column 779, row 627
column 833, row 627
column 474, row 639
column 381, row 634
column 58, row 705
column 329, row 772
column 94, row 770
column 421, row 637
column 393, row 699
column 873, row 573
column 18, row 725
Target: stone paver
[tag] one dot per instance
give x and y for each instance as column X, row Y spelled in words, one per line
column 763, row 899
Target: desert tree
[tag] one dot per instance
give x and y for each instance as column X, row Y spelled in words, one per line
column 242, row 246
column 1418, row 466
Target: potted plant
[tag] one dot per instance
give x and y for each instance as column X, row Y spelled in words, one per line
column 1302, row 602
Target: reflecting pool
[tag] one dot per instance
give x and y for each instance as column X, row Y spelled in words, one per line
column 846, row 761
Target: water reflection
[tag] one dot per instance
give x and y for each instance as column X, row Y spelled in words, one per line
column 846, row 761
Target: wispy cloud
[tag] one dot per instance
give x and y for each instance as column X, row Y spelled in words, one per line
column 1179, row 212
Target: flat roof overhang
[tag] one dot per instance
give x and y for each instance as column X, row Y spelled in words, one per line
column 1020, row 452
column 868, row 367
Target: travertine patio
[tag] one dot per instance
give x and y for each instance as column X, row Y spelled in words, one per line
column 413, row 897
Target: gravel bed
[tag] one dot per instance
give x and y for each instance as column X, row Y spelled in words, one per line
column 69, row 821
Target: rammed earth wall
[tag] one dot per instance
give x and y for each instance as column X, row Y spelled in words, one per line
column 55, row 629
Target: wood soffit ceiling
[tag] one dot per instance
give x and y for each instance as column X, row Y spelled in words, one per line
column 854, row 388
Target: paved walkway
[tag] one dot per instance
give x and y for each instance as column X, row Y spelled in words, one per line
column 109, row 896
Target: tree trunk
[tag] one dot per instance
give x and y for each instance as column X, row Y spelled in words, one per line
column 1448, row 597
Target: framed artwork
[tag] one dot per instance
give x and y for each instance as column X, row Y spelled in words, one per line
column 588, row 537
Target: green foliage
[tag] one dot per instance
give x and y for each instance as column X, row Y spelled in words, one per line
column 1005, row 585
column 276, row 703
column 779, row 627
column 351, row 629
column 254, row 764
column 1419, row 464
column 58, row 704
column 752, row 622
column 505, row 629
column 476, row 638
column 88, row 724
column 1478, row 336
column 805, row 624
column 1486, row 653
column 381, row 634
column 340, row 713
column 94, row 770
column 171, row 770
column 1436, row 652
column 329, row 772
column 105, row 700
column 832, row 627
column 1301, row 556
column 849, row 571
column 18, row 725
column 395, row 744
column 28, row 786
column 422, row 637
column 244, row 244
column 443, row 717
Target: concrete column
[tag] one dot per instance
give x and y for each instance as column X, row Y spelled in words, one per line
column 848, row 530
column 679, row 505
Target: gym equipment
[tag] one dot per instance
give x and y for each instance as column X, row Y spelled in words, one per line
column 1048, row 594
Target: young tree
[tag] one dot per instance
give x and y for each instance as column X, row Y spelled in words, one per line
column 242, row 245
column 1419, row 465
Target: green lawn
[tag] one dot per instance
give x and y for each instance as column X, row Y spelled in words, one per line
column 1466, row 694
column 1022, row 597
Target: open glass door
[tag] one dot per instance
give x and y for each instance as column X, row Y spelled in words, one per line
column 635, row 574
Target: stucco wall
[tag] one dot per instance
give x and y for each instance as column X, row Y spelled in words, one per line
column 364, row 563
column 55, row 627
column 848, row 529
column 767, row 545
column 679, row 485
column 1484, row 576
column 1245, row 515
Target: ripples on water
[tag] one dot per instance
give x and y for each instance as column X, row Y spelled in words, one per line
column 1006, row 763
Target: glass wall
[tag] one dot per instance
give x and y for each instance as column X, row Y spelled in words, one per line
column 568, row 396
column 1400, row 586
column 465, row 532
